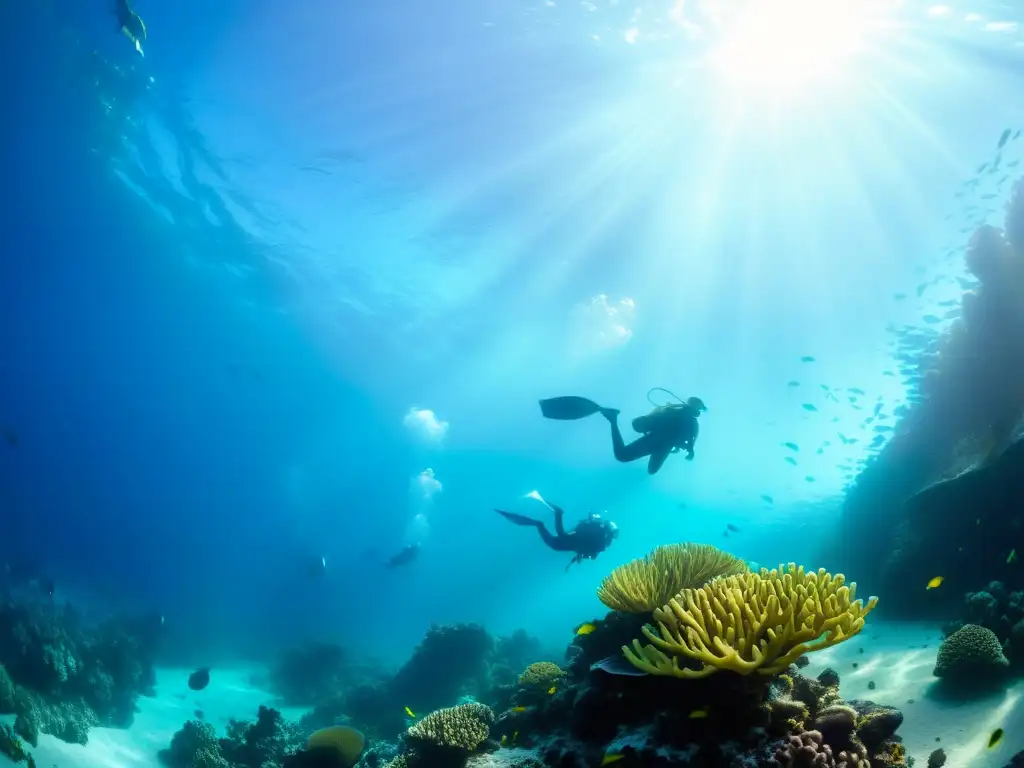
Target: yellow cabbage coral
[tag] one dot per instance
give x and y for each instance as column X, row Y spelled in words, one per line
column 758, row 622
column 644, row 584
column 464, row 727
column 541, row 674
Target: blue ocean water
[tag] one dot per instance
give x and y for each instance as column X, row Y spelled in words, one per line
column 288, row 287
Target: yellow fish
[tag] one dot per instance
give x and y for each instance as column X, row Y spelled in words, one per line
column 699, row 714
column 1012, row 557
column 936, row 582
column 409, row 712
column 585, row 629
column 551, row 690
column 504, row 740
column 995, row 739
column 515, row 735
column 518, row 709
column 609, row 759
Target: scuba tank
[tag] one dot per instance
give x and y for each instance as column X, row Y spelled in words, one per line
column 648, row 422
column 661, row 413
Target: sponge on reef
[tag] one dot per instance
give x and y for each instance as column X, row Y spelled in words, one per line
column 347, row 744
column 464, row 727
column 649, row 582
column 757, row 622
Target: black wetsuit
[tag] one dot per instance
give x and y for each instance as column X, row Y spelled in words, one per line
column 587, row 540
column 127, row 19
column 666, row 430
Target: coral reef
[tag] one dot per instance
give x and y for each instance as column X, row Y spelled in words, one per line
column 447, row 738
column 970, row 399
column 745, row 701
column 60, row 675
column 759, row 622
column 312, row 673
column 261, row 744
column 809, row 750
column 971, row 656
column 449, row 662
column 12, row 748
column 541, row 674
column 647, row 583
column 997, row 609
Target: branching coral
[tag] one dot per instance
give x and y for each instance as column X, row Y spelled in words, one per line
column 644, row 584
column 462, row 728
column 541, row 674
column 759, row 622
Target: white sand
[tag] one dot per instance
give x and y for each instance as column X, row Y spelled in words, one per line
column 229, row 695
column 893, row 659
column 901, row 670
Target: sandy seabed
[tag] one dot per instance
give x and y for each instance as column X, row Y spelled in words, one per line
column 897, row 658
column 229, row 695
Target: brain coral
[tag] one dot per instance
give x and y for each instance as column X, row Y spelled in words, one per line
column 969, row 651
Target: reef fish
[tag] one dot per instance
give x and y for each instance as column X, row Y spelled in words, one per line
column 616, row 665
column 995, row 739
column 199, row 679
column 585, row 629
column 936, row 582
column 404, row 556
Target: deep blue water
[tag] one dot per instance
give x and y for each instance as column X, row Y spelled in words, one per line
column 231, row 268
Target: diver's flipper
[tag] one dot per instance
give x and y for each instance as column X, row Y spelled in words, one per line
column 518, row 519
column 568, row 408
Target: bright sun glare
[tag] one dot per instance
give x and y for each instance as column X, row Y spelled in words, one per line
column 778, row 46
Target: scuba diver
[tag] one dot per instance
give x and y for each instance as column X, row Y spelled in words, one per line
column 130, row 24
column 669, row 428
column 587, row 540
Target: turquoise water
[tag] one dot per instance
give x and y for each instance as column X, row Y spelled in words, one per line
column 287, row 288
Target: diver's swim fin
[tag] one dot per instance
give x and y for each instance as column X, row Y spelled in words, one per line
column 517, row 519
column 568, row 408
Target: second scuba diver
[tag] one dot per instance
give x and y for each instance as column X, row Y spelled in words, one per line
column 586, row 541
column 130, row 24
column 667, row 429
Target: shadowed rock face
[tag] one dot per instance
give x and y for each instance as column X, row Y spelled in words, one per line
column 964, row 530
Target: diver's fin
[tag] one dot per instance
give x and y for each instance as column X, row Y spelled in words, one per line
column 568, row 408
column 517, row 519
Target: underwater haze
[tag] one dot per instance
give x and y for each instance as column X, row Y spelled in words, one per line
column 283, row 285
